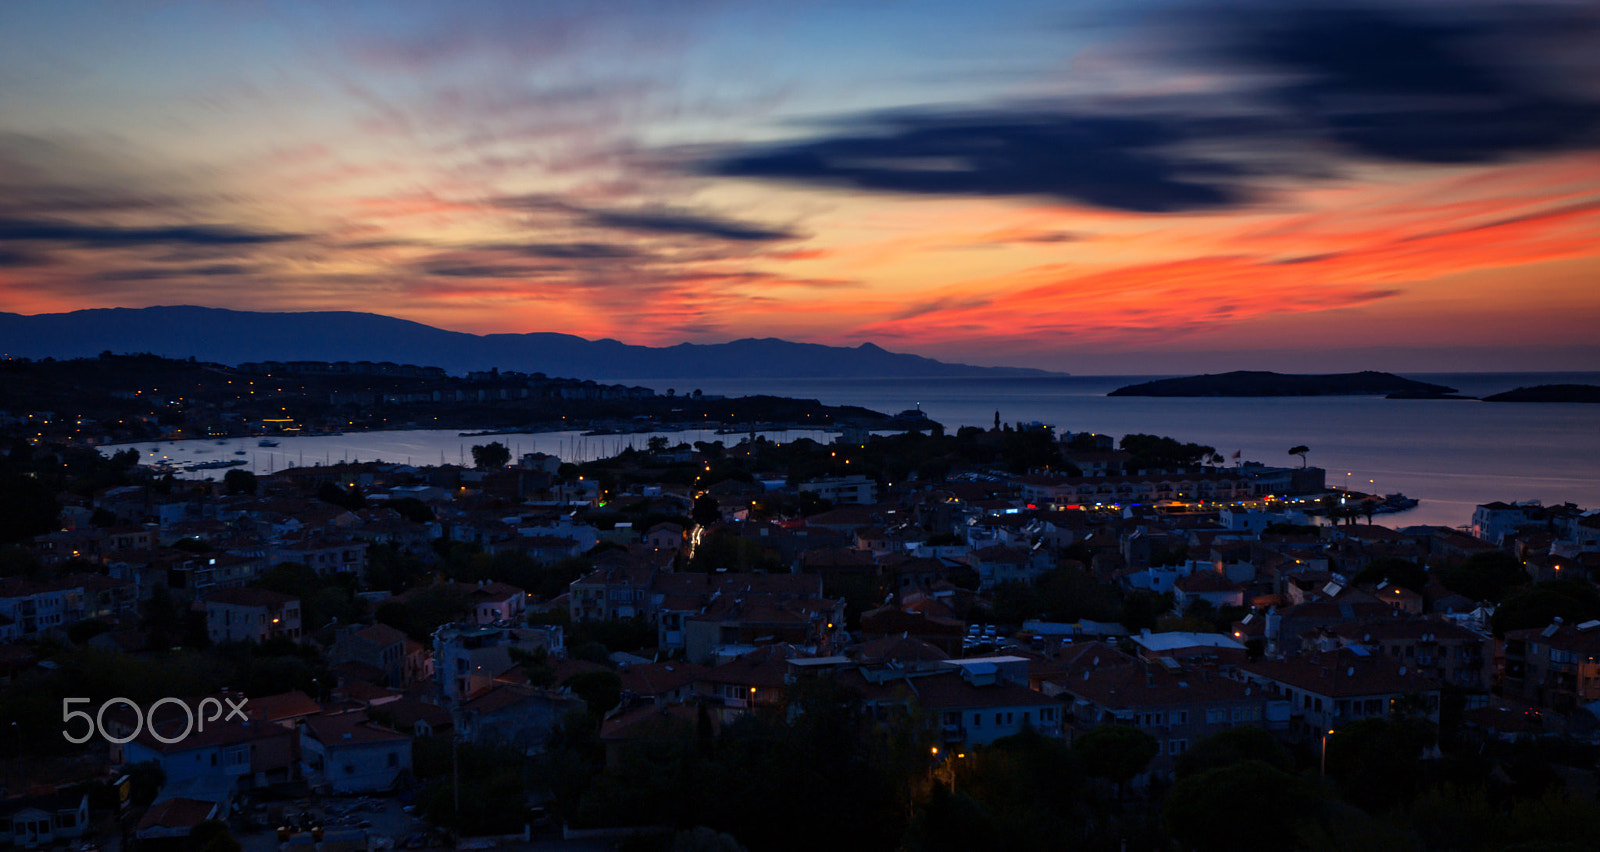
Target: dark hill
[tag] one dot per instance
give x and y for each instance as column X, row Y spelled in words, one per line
column 1549, row 393
column 234, row 337
column 1261, row 383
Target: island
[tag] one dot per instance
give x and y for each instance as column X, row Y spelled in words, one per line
column 1549, row 393
column 1263, row 383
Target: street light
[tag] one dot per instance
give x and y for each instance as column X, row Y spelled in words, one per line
column 1325, row 752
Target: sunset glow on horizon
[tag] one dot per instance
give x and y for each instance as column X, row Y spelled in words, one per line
column 1110, row 187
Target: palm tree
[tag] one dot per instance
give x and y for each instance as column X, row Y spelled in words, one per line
column 1300, row 451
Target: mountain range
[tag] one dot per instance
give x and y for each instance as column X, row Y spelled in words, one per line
column 234, row 337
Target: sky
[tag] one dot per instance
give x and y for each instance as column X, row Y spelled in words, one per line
column 1102, row 186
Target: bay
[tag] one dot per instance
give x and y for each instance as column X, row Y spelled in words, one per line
column 1450, row 454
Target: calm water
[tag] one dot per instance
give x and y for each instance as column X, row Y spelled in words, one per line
column 1450, row 454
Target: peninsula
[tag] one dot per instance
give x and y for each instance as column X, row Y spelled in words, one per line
column 1549, row 393
column 1262, row 383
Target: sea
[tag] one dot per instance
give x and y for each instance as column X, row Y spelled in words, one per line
column 1451, row 455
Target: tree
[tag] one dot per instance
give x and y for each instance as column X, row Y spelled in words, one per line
column 238, row 481
column 1233, row 746
column 1486, row 576
column 1205, row 811
column 1394, row 571
column 705, row 512
column 1300, row 450
column 1574, row 601
column 144, row 781
column 491, row 456
column 1116, row 753
column 599, row 689
column 28, row 508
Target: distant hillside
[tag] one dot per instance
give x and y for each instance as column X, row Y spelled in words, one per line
column 233, row 337
column 1260, row 383
column 1549, row 393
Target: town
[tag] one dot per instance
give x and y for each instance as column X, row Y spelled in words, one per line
column 1007, row 637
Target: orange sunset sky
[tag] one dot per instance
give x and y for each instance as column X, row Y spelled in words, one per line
column 1093, row 187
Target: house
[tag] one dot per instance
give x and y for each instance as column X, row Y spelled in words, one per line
column 971, row 705
column 757, row 679
column 31, row 822
column 1447, row 652
column 494, row 602
column 1005, row 564
column 664, row 536
column 324, row 554
column 251, row 615
column 37, row 609
column 468, row 658
column 347, row 753
column 1210, row 586
column 660, row 683
column 650, row 723
column 519, row 716
column 1176, row 706
column 1492, row 522
column 892, row 621
column 1556, row 666
column 285, row 709
column 1328, row 690
column 740, row 621
column 215, row 761
column 855, row 490
column 610, row 593
column 1176, row 644
column 380, row 646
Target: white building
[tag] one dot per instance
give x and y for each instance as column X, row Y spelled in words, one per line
column 855, row 489
column 252, row 615
column 348, row 754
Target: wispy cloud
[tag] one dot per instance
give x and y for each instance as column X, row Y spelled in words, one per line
column 57, row 231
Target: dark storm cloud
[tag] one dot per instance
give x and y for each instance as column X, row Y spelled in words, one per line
column 1123, row 163
column 579, row 251
column 1470, row 87
column 666, row 220
column 108, row 236
column 1317, row 83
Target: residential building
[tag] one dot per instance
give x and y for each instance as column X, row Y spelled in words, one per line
column 518, row 716
column 347, row 753
column 380, row 646
column 854, row 490
column 468, row 658
column 218, row 760
column 1557, row 666
column 1328, row 690
column 1176, row 706
column 31, row 822
column 251, row 615
column 1445, row 651
column 971, row 705
column 1005, row 564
